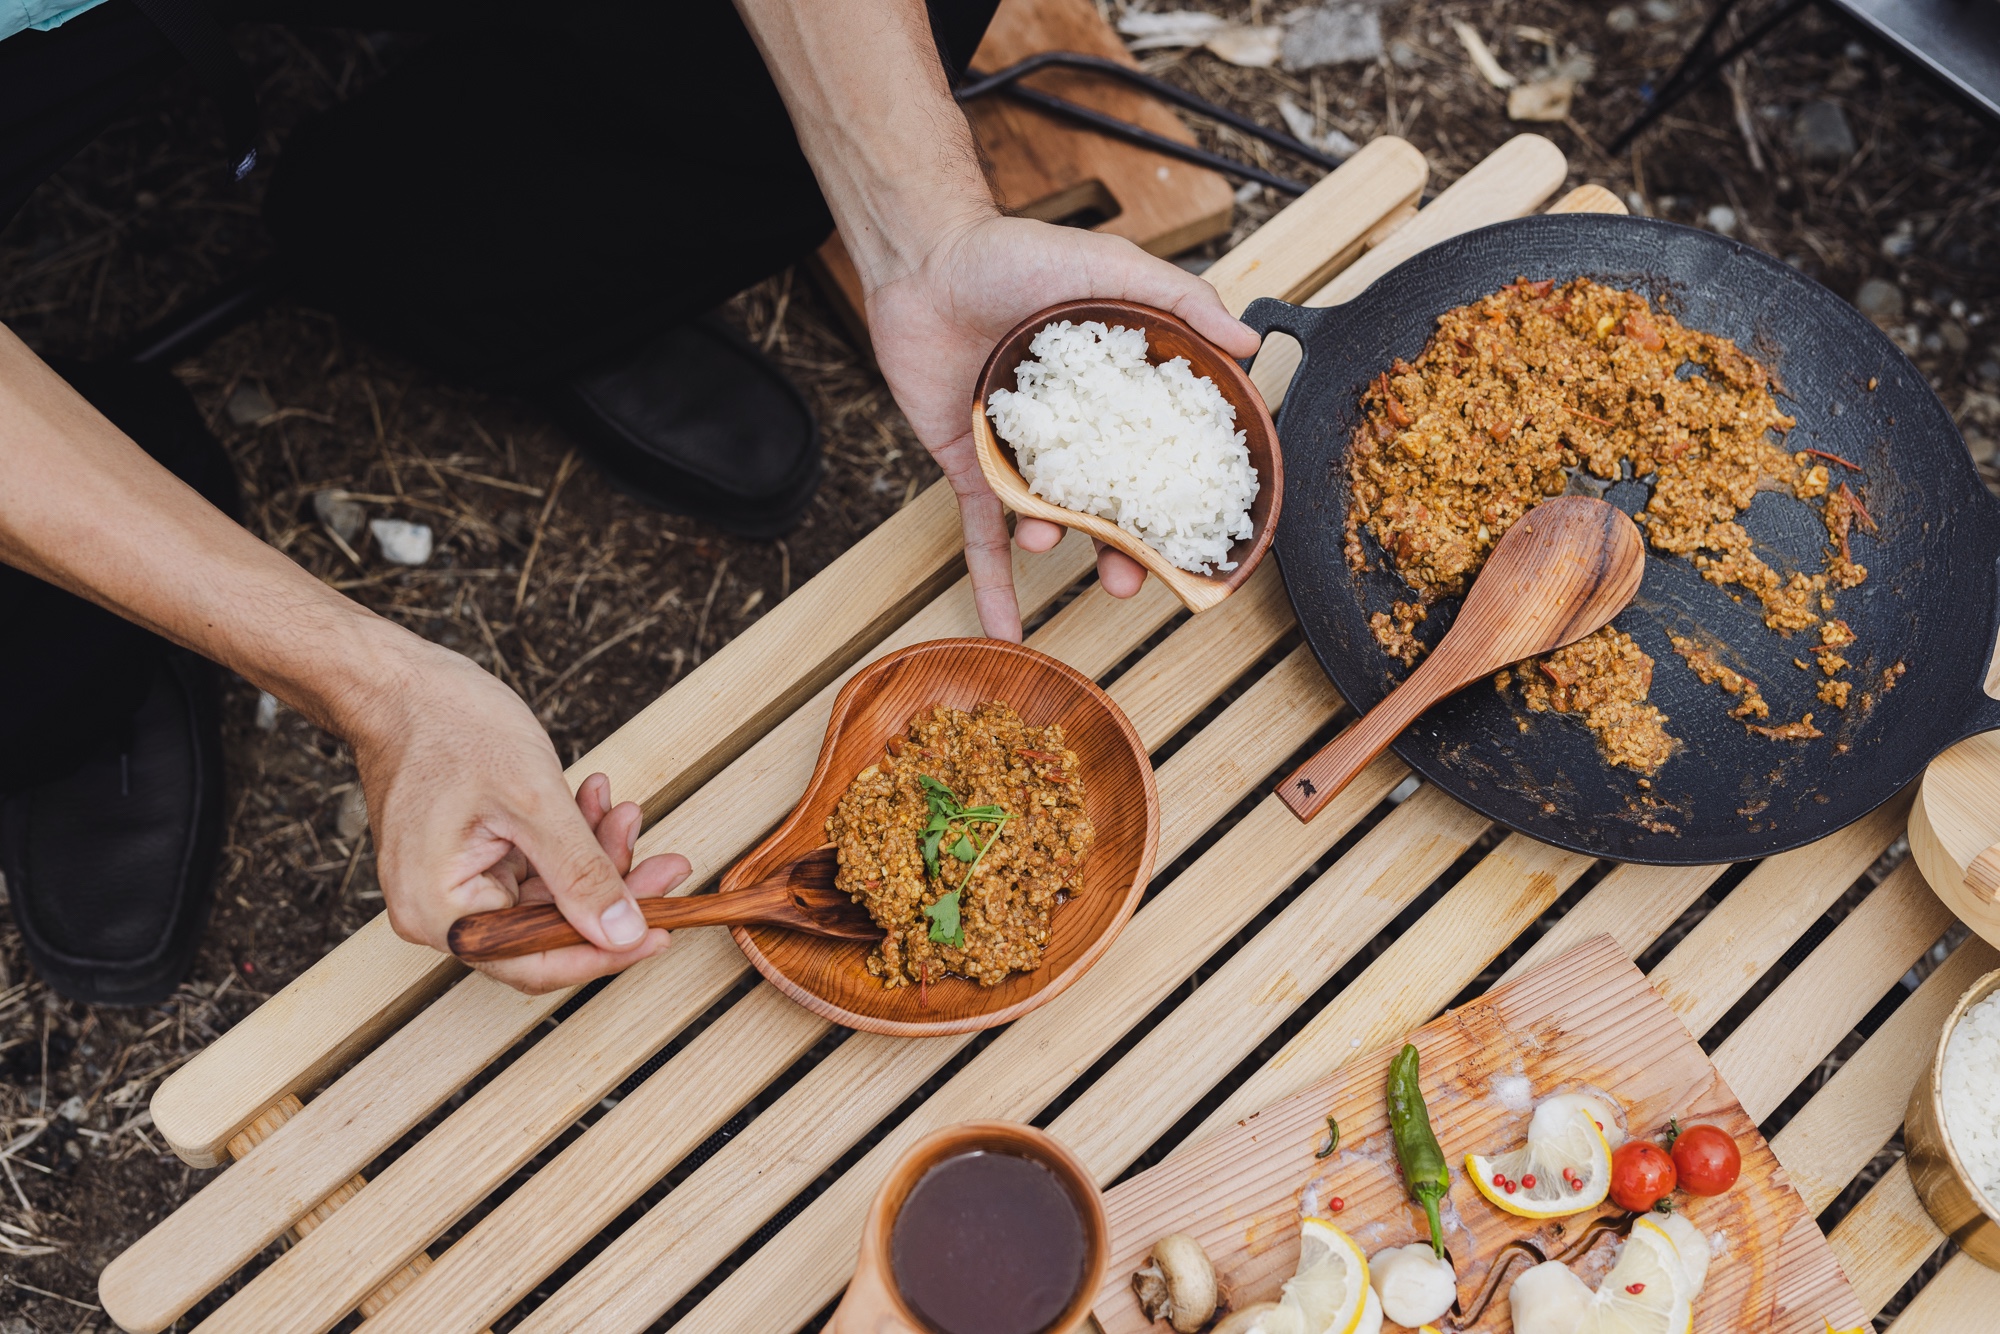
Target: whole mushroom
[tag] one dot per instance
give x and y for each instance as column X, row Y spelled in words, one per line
column 1178, row 1283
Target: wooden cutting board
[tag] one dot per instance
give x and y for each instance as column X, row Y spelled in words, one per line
column 1043, row 166
column 1585, row 1022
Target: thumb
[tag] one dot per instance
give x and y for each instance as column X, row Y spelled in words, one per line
column 581, row 878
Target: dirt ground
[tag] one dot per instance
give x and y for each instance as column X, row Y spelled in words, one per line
column 591, row 604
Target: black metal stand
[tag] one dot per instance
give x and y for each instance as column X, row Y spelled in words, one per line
column 1694, row 70
column 1008, row 81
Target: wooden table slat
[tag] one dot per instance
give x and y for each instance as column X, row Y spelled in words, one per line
column 1750, row 930
column 1831, row 991
column 1633, row 904
column 1849, row 1120
column 1174, row 1066
column 1884, row 1238
column 1964, row 1298
column 1408, row 983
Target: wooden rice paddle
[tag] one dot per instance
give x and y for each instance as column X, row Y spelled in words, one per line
column 1566, row 569
column 798, row 896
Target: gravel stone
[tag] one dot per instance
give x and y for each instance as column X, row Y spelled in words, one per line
column 1820, row 133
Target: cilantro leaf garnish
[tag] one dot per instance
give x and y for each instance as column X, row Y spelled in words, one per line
column 945, row 927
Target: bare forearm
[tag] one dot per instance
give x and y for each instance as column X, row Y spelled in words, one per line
column 873, row 111
column 86, row 509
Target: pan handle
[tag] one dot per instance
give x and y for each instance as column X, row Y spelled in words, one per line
column 1984, row 716
column 1301, row 322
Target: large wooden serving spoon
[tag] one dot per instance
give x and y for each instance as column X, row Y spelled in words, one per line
column 798, row 896
column 1566, row 569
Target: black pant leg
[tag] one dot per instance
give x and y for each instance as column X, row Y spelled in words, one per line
column 512, row 204
column 71, row 672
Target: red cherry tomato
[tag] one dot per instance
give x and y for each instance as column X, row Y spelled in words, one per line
column 1706, row 1160
column 1641, row 1175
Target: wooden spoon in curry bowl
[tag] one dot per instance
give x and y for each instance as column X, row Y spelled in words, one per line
column 798, row 896
column 1564, row 571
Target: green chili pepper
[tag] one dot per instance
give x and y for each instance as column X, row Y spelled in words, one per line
column 1425, row 1172
column 1332, row 1139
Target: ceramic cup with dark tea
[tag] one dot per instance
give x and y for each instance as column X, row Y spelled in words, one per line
column 984, row 1228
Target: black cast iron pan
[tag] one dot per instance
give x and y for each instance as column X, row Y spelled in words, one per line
column 1931, row 601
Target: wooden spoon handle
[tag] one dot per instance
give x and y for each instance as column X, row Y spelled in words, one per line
column 529, row 928
column 1321, row 778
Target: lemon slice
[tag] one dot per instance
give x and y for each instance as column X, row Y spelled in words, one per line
column 1564, row 1168
column 1329, row 1293
column 1646, row 1292
column 1330, row 1289
column 1693, row 1246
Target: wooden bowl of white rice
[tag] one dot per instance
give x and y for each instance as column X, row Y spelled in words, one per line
column 1951, row 1131
column 1121, row 421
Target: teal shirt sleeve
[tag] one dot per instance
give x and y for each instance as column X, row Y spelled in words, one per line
column 41, row 15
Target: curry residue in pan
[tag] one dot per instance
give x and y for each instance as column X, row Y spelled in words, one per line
column 1015, row 850
column 1519, row 389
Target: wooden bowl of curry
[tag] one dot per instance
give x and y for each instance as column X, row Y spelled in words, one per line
column 831, row 977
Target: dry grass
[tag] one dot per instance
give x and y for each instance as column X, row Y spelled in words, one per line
column 590, row 604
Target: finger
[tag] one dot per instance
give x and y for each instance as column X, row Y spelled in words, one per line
column 581, row 878
column 594, row 799
column 618, row 833
column 989, row 559
column 658, row 875
column 1036, row 534
column 1121, row 576
column 571, row 965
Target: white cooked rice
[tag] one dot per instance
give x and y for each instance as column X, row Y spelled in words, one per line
column 1972, row 1094
column 1154, row 449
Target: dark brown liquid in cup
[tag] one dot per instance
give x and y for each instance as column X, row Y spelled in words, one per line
column 988, row 1243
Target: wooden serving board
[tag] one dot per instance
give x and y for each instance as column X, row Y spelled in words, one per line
column 1585, row 1022
column 1047, row 167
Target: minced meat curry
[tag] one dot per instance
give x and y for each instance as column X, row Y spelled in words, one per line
column 1514, row 393
column 960, row 841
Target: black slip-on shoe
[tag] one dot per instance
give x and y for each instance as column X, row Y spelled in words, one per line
column 697, row 421
column 110, row 869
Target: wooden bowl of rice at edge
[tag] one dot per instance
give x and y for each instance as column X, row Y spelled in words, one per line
column 1946, row 1175
column 1219, row 541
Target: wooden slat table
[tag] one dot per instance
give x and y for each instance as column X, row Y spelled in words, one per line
column 380, row 1035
